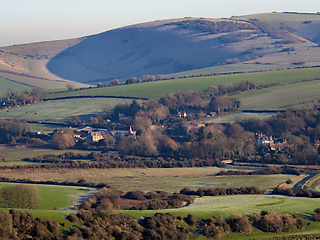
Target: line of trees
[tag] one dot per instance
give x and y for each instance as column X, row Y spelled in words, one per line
column 112, row 160
column 264, row 171
column 20, row 196
column 20, row 98
column 222, row 191
column 296, row 192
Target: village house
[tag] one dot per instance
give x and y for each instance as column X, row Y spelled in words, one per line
column 191, row 126
column 261, row 138
column 181, row 114
column 119, row 134
column 94, row 137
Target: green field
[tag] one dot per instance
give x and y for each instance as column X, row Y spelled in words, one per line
column 193, row 181
column 55, row 202
column 6, row 84
column 160, row 88
column 60, row 110
column 240, row 67
column 14, row 155
column 240, row 204
column 280, row 97
column 237, row 117
column 51, row 196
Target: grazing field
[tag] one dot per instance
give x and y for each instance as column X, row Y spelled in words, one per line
column 171, row 180
column 55, row 202
column 237, row 117
column 44, row 128
column 240, row 67
column 240, row 204
column 6, row 84
column 60, row 110
column 160, row 88
column 14, row 155
column 55, row 196
column 280, row 97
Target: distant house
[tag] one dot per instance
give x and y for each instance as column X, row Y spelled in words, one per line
column 261, row 138
column 119, row 134
column 94, row 137
column 191, row 126
column 77, row 136
column 181, row 114
column 84, row 130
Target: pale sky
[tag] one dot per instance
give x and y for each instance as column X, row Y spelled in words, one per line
column 25, row 21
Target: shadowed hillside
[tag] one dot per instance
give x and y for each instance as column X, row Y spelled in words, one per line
column 188, row 45
column 141, row 50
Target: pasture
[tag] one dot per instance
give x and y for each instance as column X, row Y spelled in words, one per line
column 240, row 204
column 51, row 196
column 60, row 110
column 160, row 88
column 206, row 207
column 280, row 97
column 237, row 117
column 5, row 84
column 55, row 202
column 13, row 156
column 150, row 179
column 239, row 67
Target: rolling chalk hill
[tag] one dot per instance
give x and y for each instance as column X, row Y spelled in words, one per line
column 187, row 45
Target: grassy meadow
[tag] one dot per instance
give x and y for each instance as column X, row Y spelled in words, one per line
column 5, row 84
column 55, row 202
column 239, row 67
column 51, row 196
column 160, row 88
column 205, row 207
column 280, row 97
column 13, row 156
column 237, row 116
column 60, row 110
column 150, row 179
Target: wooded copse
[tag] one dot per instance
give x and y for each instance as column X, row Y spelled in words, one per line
column 20, row 196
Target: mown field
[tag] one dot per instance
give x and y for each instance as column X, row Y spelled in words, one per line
column 240, row 67
column 60, row 110
column 240, row 204
column 55, row 202
column 280, row 97
column 171, row 180
column 55, row 196
column 237, row 117
column 160, row 88
column 14, row 155
column 205, row 207
column 6, row 84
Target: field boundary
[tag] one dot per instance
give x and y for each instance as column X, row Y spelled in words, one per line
column 98, row 96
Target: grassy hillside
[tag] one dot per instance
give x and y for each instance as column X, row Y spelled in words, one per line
column 60, row 110
column 280, row 97
column 304, row 25
column 187, row 46
column 6, row 84
column 160, row 88
column 205, row 207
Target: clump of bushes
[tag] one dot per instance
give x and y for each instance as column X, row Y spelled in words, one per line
column 272, row 222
